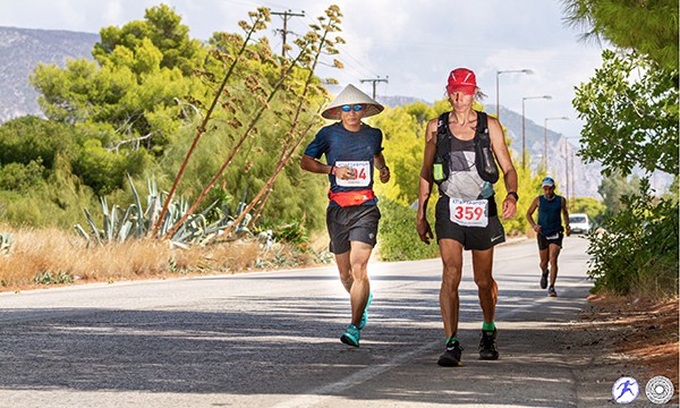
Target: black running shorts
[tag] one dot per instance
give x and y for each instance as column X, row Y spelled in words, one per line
column 355, row 223
column 544, row 243
column 478, row 238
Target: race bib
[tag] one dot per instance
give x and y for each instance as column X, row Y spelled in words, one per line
column 469, row 213
column 362, row 173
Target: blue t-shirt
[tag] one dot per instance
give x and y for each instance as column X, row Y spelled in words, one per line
column 342, row 147
column 549, row 215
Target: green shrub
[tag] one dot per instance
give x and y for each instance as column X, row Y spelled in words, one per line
column 49, row 278
column 292, row 233
column 638, row 253
column 20, row 177
column 104, row 171
column 30, row 138
column 397, row 236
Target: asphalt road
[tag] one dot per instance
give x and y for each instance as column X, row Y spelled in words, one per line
column 271, row 339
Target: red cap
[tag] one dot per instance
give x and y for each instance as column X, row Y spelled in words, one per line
column 462, row 80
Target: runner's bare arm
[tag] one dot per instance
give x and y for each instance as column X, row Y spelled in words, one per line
column 380, row 165
column 426, row 181
column 530, row 215
column 500, row 150
column 311, row 164
column 565, row 216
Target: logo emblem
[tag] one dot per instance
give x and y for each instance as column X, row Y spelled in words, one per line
column 659, row 390
column 625, row 390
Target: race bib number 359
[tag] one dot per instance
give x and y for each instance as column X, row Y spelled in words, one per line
column 469, row 213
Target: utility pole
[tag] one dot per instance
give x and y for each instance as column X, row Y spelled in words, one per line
column 286, row 15
column 566, row 166
column 375, row 81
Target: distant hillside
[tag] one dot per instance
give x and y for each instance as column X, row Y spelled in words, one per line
column 21, row 50
column 584, row 179
column 393, row 101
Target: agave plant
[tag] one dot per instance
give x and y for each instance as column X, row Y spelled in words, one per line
column 135, row 222
column 6, row 241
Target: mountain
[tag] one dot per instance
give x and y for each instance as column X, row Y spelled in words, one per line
column 563, row 162
column 394, row 101
column 21, row 50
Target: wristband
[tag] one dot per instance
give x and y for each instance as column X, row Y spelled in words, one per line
column 332, row 172
column 514, row 194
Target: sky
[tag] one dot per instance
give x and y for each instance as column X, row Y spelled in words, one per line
column 413, row 44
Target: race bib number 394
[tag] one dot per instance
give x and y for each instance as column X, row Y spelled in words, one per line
column 362, row 173
column 469, row 213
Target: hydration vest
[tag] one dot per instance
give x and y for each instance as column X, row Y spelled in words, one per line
column 484, row 160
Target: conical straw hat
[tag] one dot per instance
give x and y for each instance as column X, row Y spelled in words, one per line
column 352, row 96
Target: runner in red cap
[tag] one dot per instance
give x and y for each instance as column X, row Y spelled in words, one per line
column 460, row 147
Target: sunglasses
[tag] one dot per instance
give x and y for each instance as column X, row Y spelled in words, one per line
column 355, row 108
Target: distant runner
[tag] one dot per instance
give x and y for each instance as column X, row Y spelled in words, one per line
column 549, row 230
column 353, row 150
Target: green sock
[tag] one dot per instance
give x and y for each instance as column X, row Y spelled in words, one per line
column 452, row 338
column 488, row 326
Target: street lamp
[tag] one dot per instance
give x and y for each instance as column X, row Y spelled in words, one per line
column 524, row 98
column 545, row 137
column 509, row 71
column 566, row 167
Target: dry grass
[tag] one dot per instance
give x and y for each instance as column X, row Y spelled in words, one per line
column 58, row 257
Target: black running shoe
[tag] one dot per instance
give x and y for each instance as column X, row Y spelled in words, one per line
column 487, row 345
column 451, row 357
column 544, row 279
column 551, row 292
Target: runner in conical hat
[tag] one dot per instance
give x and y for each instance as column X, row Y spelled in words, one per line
column 353, row 158
column 348, row 98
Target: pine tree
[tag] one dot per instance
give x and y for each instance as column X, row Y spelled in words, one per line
column 649, row 27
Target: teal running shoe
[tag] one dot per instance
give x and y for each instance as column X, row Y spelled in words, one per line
column 351, row 336
column 364, row 317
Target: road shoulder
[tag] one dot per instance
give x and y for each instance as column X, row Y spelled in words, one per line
column 615, row 337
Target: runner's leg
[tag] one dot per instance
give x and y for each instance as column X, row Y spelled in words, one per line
column 345, row 269
column 449, row 302
column 554, row 254
column 543, row 259
column 487, row 289
column 358, row 257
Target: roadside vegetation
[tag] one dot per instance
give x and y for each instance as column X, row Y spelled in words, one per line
column 167, row 156
column 630, row 110
column 48, row 256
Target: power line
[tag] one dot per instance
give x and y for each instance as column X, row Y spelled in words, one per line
column 284, row 32
column 375, row 81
